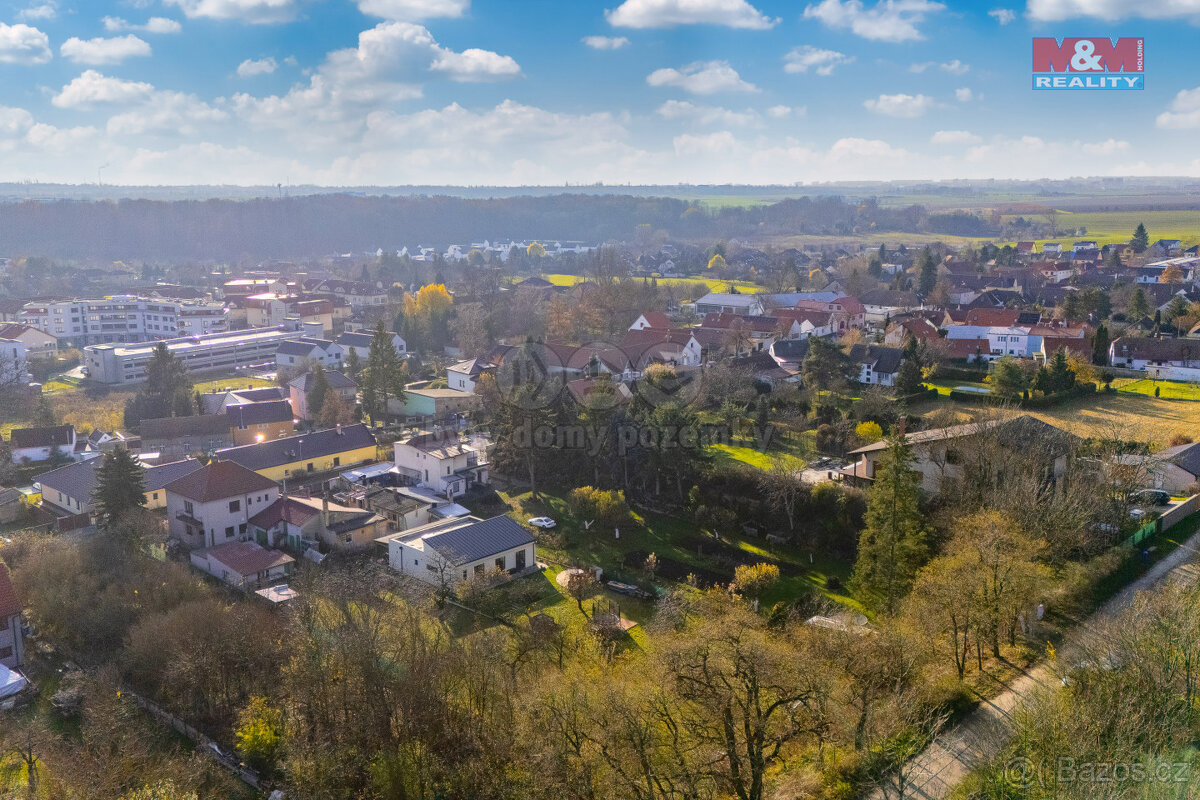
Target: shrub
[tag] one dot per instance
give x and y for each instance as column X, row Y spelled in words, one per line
column 833, row 583
column 752, row 579
column 606, row 507
column 868, row 432
column 1180, row 438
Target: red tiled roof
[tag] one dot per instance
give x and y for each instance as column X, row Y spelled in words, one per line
column 248, row 558
column 9, row 604
column 988, row 317
column 657, row 319
column 967, row 348
column 285, row 509
column 219, row 480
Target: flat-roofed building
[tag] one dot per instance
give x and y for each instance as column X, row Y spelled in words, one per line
column 116, row 364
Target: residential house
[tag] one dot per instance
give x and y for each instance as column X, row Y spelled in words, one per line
column 358, row 294
column 300, row 387
column 651, row 319
column 245, row 565
column 1002, row 340
column 803, row 323
column 258, row 422
column 13, row 363
column 213, row 505
column 40, row 444
column 71, row 489
column 304, row 350
column 1025, row 248
column 915, row 327
column 444, row 462
column 754, row 333
column 179, row 437
column 437, row 404
column 1175, row 469
column 12, row 641
column 360, row 342
column 38, row 344
column 215, row 401
column 1085, row 244
column 1153, row 355
column 881, row 304
column 939, row 454
column 401, row 511
column 301, row 522
column 1052, row 248
column 677, row 346
column 306, row 454
column 722, row 303
column 446, row 552
column 1166, row 247
column 877, row 365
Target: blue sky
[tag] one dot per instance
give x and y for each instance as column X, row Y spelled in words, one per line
column 351, row 92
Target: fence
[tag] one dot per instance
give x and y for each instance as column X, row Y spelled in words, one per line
column 1167, row 521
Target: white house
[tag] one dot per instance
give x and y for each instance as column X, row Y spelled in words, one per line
column 877, row 365
column 452, row 550
column 213, row 505
column 71, row 488
column 723, row 303
column 304, row 349
column 1002, row 340
column 443, row 462
column 651, row 319
column 38, row 343
column 360, row 342
column 245, row 565
column 12, row 643
column 39, row 444
column 13, row 358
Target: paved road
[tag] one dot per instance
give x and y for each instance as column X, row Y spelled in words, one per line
column 978, row 737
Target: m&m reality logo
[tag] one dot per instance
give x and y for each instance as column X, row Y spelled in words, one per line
column 1099, row 63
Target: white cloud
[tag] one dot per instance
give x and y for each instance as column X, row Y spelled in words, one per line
column 413, row 10
column 954, row 67
column 92, row 89
column 1058, row 10
column 721, row 143
column 954, row 137
column 166, row 112
column 100, row 51
column 670, row 13
column 258, row 66
column 606, row 42
column 1108, row 147
column 886, row 21
column 1003, row 15
column 1183, row 113
column 152, row 25
column 39, row 11
column 702, row 77
column 906, row 106
column 805, row 57
column 853, row 148
column 707, row 115
column 22, row 44
column 476, row 66
column 258, row 12
column 783, row 112
column 964, row 95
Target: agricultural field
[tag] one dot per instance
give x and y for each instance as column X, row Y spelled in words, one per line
column 704, row 284
column 1114, row 227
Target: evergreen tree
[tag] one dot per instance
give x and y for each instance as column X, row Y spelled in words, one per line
column 1138, row 306
column 825, row 366
column 353, row 365
column 1008, row 379
column 892, row 546
column 167, row 392
column 927, row 273
column 1100, row 344
column 1141, row 239
column 317, row 392
column 120, row 487
column 384, row 374
column 43, row 415
column 909, row 379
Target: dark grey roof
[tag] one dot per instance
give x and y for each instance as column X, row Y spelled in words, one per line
column 789, row 349
column 169, row 428
column 296, row 347
column 336, row 381
column 356, row 339
column 59, row 436
column 298, row 448
column 76, row 480
column 242, row 414
column 1184, row 456
column 481, row 539
column 881, row 359
column 158, row 476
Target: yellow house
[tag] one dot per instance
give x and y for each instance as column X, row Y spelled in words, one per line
column 304, row 454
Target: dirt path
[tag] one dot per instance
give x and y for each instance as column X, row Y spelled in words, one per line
column 979, row 737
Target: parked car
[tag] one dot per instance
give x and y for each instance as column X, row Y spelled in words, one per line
column 545, row 523
column 1152, row 497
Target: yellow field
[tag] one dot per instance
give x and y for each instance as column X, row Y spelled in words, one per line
column 709, row 284
column 1115, row 227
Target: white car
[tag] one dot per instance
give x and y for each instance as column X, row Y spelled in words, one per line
column 545, row 523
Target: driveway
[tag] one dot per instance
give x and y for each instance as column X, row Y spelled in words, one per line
column 979, row 737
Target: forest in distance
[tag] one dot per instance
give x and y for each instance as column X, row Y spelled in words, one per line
column 292, row 227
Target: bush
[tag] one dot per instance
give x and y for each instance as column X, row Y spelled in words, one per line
column 1180, row 438
column 605, row 507
column 752, row 579
column 833, row 583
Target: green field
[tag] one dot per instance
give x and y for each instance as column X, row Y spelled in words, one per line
column 707, row 284
column 239, row 382
column 1167, row 390
column 1115, row 227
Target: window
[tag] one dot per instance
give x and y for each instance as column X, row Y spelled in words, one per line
column 500, row 562
column 520, row 557
column 6, row 652
column 229, row 532
column 310, row 466
column 155, row 496
column 337, row 461
column 242, row 529
column 479, row 569
column 188, row 509
column 235, row 505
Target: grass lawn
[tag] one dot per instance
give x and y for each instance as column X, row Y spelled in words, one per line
column 746, row 455
column 703, row 284
column 670, row 537
column 1168, row 390
column 238, row 382
column 1129, row 415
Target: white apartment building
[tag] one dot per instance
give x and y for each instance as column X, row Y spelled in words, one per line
column 117, row 364
column 125, row 319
